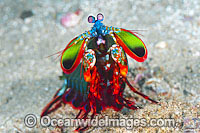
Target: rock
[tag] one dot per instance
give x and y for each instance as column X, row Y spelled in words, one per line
column 25, row 14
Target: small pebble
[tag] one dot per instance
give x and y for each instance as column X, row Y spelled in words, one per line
column 46, row 89
column 26, row 14
column 27, row 20
column 71, row 19
column 161, row 45
column 25, row 29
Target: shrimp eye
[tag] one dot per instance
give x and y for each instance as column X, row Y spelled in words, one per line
column 91, row 19
column 100, row 17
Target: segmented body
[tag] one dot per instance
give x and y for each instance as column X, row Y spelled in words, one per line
column 101, row 55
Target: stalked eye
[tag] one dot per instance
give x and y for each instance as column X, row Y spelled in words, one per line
column 91, row 19
column 100, row 17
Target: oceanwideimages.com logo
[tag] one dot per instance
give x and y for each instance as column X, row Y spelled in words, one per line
column 31, row 120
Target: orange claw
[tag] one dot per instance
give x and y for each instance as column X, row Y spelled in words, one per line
column 87, row 76
column 123, row 70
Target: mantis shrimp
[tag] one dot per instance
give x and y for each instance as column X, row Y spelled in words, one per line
column 95, row 68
